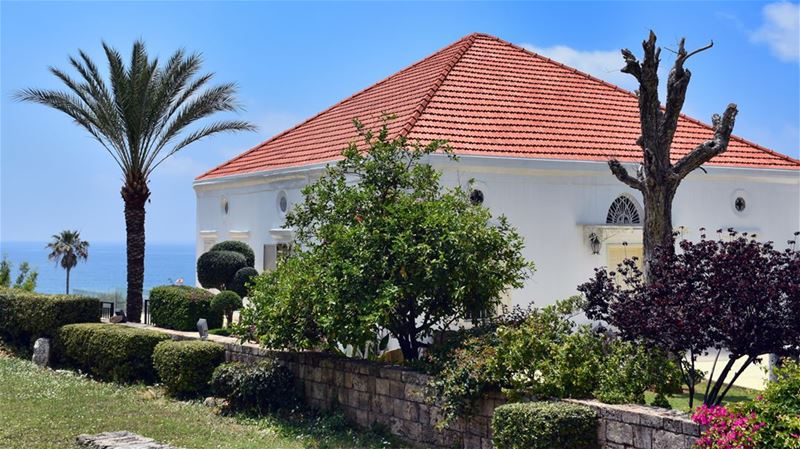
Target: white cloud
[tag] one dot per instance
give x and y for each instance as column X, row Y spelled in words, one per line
column 603, row 64
column 780, row 30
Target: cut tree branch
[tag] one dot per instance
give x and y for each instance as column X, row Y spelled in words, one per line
column 622, row 174
column 723, row 127
column 677, row 84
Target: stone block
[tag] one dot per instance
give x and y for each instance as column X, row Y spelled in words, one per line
column 41, row 352
column 673, row 425
column 663, row 439
column 690, row 428
column 642, row 437
column 391, row 373
column 414, row 392
column 653, row 421
column 360, row 382
column 619, row 432
column 478, row 425
column 406, row 410
column 601, row 430
column 472, row 442
column 424, row 414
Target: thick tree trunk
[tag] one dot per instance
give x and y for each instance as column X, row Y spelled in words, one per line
column 658, row 178
column 657, row 229
column 135, row 194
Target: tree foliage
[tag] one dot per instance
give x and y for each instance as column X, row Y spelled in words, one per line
column 734, row 294
column 67, row 249
column 141, row 114
column 26, row 277
column 384, row 246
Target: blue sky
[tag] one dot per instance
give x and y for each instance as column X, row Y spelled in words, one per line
column 292, row 60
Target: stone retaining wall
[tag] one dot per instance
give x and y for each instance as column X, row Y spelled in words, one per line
column 370, row 393
column 642, row 427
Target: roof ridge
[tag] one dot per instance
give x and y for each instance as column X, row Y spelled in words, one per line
column 461, row 41
column 466, row 43
column 626, row 91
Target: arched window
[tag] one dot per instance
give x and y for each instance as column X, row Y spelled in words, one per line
column 623, row 211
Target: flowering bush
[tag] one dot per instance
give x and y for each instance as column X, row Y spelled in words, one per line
column 727, row 429
column 771, row 421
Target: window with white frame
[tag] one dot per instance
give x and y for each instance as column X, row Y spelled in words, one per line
column 623, row 211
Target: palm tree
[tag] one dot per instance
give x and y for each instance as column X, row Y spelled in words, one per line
column 67, row 249
column 137, row 118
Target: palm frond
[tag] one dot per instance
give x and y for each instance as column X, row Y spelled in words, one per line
column 143, row 106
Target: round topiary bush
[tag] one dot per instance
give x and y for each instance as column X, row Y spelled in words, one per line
column 226, row 302
column 215, row 269
column 185, row 367
column 237, row 247
column 241, row 279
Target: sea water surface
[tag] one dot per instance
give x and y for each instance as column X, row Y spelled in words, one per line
column 105, row 270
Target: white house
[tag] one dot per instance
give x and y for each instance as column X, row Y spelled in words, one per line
column 535, row 136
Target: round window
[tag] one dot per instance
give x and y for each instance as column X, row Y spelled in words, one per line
column 283, row 202
column 476, row 197
column 740, row 204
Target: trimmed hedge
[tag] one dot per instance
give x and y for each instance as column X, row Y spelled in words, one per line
column 237, row 247
column 25, row 316
column 215, row 269
column 261, row 387
column 227, row 302
column 180, row 306
column 544, row 425
column 185, row 367
column 241, row 279
column 109, row 351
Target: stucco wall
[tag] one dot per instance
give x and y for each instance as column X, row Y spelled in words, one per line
column 548, row 201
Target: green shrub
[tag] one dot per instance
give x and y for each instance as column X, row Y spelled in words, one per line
column 185, row 367
column 545, row 355
column 237, row 247
column 261, row 387
column 544, row 425
column 109, row 351
column 180, row 306
column 241, row 280
column 215, row 269
column 25, row 316
column 778, row 408
column 226, row 302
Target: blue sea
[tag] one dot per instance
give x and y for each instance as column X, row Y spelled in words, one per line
column 105, row 270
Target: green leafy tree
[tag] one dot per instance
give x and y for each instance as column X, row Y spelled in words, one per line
column 384, row 246
column 5, row 273
column 26, row 279
column 138, row 117
column 66, row 249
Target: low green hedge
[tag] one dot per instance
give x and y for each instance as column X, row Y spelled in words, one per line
column 180, row 306
column 261, row 387
column 25, row 316
column 109, row 351
column 544, row 425
column 185, row 367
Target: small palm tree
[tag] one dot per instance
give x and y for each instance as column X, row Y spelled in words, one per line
column 137, row 117
column 67, row 249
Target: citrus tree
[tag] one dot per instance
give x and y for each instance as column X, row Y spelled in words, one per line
column 383, row 246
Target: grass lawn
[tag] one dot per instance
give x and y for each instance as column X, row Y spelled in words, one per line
column 43, row 409
column 681, row 401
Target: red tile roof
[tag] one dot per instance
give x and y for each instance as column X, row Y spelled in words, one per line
column 491, row 98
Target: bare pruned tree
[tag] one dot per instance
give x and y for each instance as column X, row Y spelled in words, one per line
column 658, row 178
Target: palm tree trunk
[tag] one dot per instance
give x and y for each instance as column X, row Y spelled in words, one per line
column 135, row 194
column 68, row 281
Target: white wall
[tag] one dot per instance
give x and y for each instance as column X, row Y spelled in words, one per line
column 548, row 201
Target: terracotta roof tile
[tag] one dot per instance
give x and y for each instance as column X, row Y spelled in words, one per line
column 489, row 97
